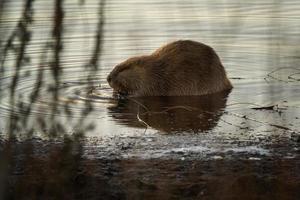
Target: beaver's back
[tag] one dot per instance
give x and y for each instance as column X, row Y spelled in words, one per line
column 193, row 68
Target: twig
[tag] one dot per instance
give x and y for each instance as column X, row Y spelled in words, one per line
column 140, row 120
column 139, row 103
column 240, row 127
column 236, row 78
column 260, row 107
column 272, row 107
column 291, row 76
column 281, row 68
column 265, row 123
column 138, row 113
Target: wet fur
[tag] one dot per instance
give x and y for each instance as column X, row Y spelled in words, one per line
column 179, row 68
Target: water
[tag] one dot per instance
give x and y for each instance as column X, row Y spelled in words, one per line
column 252, row 40
column 258, row 43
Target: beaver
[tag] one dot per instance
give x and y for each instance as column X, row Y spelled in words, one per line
column 180, row 68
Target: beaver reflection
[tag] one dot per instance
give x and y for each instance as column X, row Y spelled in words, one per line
column 171, row 114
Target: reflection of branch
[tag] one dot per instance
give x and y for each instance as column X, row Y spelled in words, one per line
column 273, row 107
column 24, row 36
column 57, row 48
column 291, row 76
column 57, row 33
column 99, row 36
column 93, row 62
column 187, row 108
column 241, row 103
column 3, row 50
column 2, row 2
column 38, row 84
column 264, row 123
column 7, row 47
column 270, row 75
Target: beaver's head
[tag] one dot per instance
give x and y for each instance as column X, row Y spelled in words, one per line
column 128, row 77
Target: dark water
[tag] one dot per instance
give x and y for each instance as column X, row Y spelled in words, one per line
column 53, row 86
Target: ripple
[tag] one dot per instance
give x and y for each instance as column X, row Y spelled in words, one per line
column 251, row 43
column 75, row 94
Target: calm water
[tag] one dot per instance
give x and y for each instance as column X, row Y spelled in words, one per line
column 252, row 39
column 258, row 43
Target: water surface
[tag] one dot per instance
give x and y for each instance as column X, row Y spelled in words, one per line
column 252, row 39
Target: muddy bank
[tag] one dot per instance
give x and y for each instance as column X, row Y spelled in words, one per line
column 90, row 169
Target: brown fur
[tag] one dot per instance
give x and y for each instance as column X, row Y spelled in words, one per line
column 179, row 68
